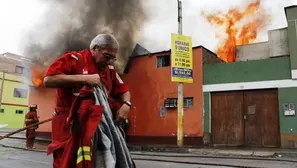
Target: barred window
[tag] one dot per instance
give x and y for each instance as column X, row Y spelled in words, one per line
column 188, row 102
column 172, row 102
column 163, row 61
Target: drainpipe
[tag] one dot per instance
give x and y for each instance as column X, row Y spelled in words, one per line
column 2, row 86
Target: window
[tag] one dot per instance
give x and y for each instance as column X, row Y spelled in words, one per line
column 20, row 93
column 188, row 102
column 19, row 111
column 163, row 61
column 1, row 110
column 19, row 69
column 172, row 102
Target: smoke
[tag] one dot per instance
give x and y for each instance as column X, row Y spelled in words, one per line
column 70, row 25
column 162, row 21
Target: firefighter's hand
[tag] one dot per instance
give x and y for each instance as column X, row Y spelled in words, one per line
column 92, row 80
column 122, row 114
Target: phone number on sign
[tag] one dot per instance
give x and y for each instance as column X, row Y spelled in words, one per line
column 182, row 72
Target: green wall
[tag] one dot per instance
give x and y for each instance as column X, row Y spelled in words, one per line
column 287, row 95
column 247, row 71
column 257, row 70
column 11, row 118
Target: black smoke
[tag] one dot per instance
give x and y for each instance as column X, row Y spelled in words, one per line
column 70, row 25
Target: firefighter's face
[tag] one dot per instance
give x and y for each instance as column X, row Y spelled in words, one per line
column 104, row 57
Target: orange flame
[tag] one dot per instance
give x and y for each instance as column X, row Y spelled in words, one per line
column 238, row 35
column 38, row 73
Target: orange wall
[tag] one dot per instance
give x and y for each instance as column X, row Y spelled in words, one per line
column 150, row 86
column 45, row 99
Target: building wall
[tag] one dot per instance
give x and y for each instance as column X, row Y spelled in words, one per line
column 247, row 71
column 14, row 102
column 278, row 42
column 247, row 52
column 288, row 126
column 150, row 86
column 45, row 99
column 256, row 74
column 10, row 117
column 209, row 57
column 291, row 16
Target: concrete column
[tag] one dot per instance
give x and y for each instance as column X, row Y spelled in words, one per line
column 291, row 15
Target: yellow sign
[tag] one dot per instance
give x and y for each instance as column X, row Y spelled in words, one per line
column 181, row 59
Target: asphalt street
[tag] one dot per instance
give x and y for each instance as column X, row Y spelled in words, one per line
column 11, row 158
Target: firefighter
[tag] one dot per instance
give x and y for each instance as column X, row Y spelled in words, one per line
column 31, row 118
column 69, row 74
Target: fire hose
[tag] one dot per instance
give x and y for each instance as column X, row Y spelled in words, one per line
column 22, row 129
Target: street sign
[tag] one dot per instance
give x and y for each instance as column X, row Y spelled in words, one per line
column 181, row 58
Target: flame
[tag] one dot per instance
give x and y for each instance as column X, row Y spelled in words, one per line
column 238, row 33
column 38, row 73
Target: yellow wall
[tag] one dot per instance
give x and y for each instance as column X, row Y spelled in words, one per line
column 8, row 93
column 17, row 77
column 11, row 118
column 10, row 104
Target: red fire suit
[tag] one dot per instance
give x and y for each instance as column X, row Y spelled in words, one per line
column 69, row 64
column 31, row 118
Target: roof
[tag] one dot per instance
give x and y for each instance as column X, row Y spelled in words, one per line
column 139, row 50
column 16, row 57
column 165, row 51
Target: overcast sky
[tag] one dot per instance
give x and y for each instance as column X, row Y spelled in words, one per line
column 18, row 15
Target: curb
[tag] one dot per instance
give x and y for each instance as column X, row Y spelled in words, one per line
column 286, row 154
column 158, row 149
column 22, row 138
column 189, row 150
column 185, row 151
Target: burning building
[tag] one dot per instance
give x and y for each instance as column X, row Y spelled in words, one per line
column 248, row 101
column 65, row 29
column 240, row 27
column 155, row 104
column 251, row 101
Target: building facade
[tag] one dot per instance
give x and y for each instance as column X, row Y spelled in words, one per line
column 252, row 102
column 154, row 118
column 14, row 83
column 154, row 121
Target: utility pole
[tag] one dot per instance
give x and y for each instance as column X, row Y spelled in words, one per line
column 180, row 99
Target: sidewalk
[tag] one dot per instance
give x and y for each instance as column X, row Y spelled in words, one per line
column 18, row 141
column 210, row 151
column 20, row 135
column 205, row 152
